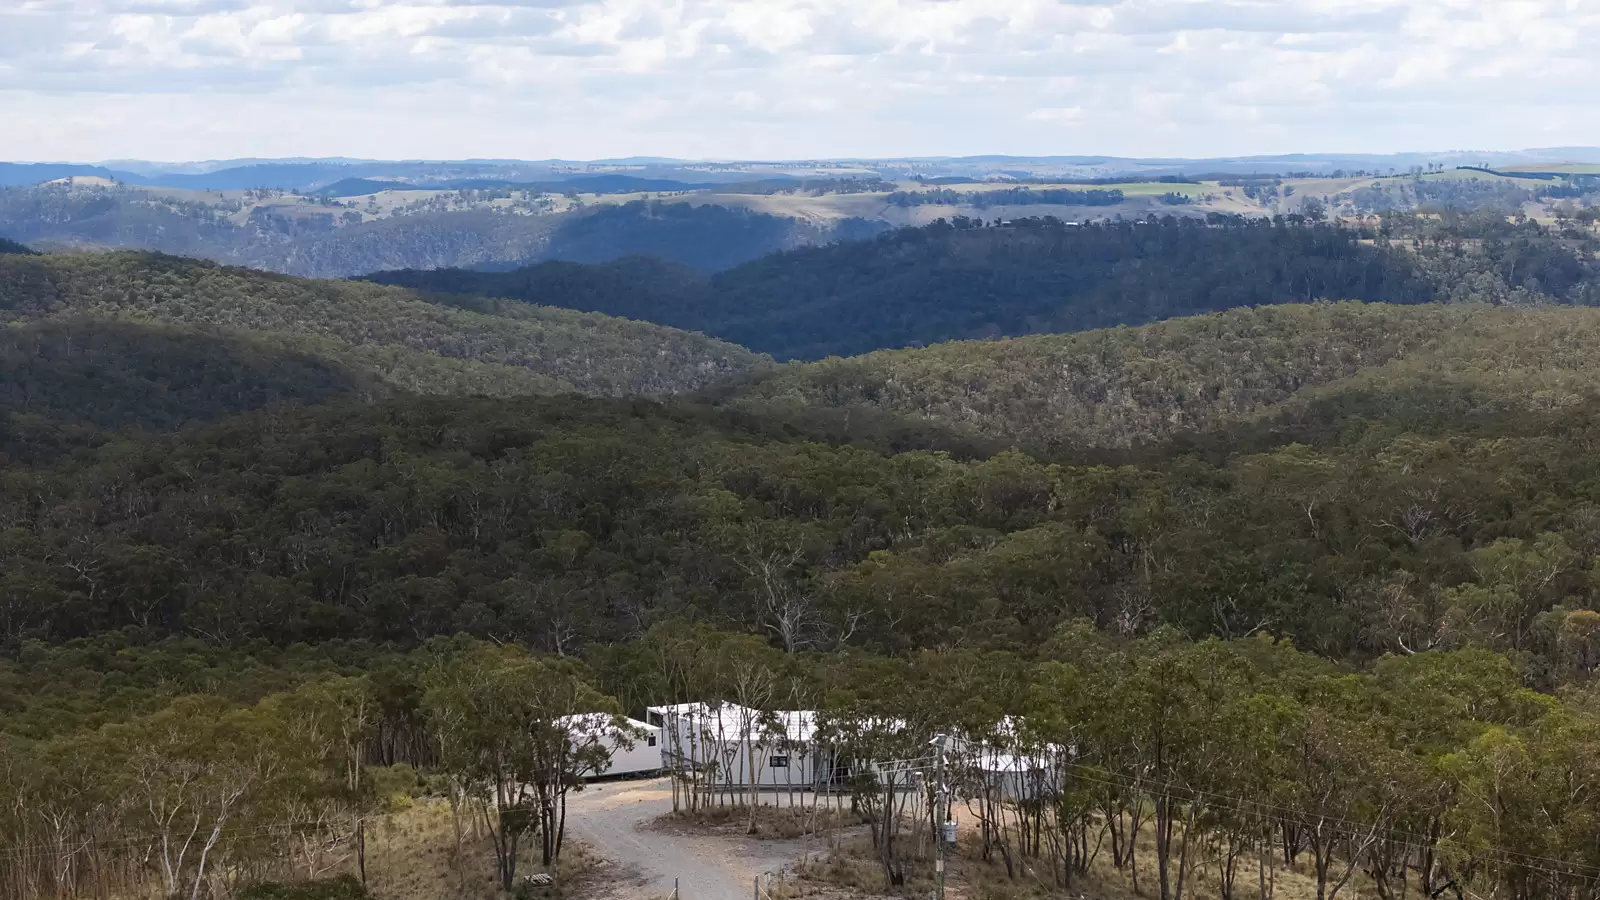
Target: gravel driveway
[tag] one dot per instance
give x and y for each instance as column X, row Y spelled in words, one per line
column 618, row 820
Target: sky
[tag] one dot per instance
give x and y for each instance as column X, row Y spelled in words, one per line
column 90, row 80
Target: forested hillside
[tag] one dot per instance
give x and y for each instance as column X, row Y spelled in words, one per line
column 971, row 280
column 1374, row 610
column 1431, row 367
column 398, row 337
column 561, row 522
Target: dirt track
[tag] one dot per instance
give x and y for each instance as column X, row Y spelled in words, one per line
column 618, row 820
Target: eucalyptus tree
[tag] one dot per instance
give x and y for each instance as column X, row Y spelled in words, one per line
column 517, row 733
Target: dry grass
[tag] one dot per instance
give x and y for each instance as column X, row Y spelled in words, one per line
column 412, row 856
column 771, row 822
column 853, row 871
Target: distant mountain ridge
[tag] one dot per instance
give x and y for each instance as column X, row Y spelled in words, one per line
column 302, row 236
column 587, row 184
column 338, row 218
column 313, row 174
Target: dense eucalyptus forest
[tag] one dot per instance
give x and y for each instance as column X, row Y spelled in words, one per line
column 1300, row 591
column 968, row 278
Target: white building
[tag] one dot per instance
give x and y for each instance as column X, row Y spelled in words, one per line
column 743, row 747
column 732, row 745
column 634, row 747
column 1012, row 766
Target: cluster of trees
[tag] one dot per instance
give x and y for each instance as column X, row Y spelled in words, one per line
column 946, row 281
column 965, row 279
column 200, row 794
column 1456, row 194
column 1438, row 773
column 1483, row 256
column 1017, row 196
column 207, row 793
column 1498, row 194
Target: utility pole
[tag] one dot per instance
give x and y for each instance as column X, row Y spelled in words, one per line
column 942, row 814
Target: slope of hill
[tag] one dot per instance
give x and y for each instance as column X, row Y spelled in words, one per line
column 1305, row 369
column 63, row 382
column 480, row 347
column 938, row 283
column 14, row 247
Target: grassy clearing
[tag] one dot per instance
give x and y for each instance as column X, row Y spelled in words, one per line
column 1327, row 186
column 1157, row 188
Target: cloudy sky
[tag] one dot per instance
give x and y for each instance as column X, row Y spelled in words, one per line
column 198, row 79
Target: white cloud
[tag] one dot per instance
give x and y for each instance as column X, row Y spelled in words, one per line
column 85, row 79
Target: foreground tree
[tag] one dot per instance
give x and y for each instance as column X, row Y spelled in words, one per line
column 516, row 733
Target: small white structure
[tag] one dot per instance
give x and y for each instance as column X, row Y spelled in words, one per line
column 633, row 746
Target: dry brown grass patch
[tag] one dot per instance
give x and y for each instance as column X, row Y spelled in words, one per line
column 768, row 822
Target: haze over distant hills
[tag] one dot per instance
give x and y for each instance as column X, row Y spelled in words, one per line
column 313, row 173
column 341, row 217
